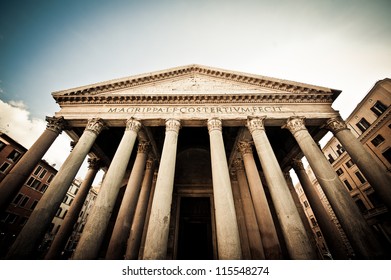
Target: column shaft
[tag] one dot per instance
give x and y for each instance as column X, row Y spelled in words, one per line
column 117, row 245
column 14, row 180
column 240, row 218
column 328, row 227
column 46, row 208
column 95, row 228
column 375, row 173
column 356, row 228
column 159, row 220
column 70, row 219
column 254, row 237
column 136, row 231
column 228, row 241
column 265, row 221
column 296, row 238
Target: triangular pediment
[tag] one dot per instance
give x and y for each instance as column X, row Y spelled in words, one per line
column 195, row 85
column 193, row 80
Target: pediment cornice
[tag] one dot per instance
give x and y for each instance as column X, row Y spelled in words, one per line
column 100, row 92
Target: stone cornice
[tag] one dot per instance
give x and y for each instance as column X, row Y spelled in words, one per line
column 151, row 78
column 194, row 99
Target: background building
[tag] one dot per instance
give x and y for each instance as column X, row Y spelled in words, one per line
column 370, row 122
column 15, row 215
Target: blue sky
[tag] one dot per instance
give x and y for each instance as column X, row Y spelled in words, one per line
column 46, row 46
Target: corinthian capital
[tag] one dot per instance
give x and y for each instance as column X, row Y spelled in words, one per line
column 335, row 124
column 173, row 125
column 295, row 124
column 143, row 147
column 95, row 125
column 297, row 164
column 255, row 124
column 214, row 124
column 134, row 125
column 94, row 163
column 245, row 147
column 55, row 124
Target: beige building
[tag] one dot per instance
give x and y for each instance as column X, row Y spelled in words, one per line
column 370, row 122
column 221, row 144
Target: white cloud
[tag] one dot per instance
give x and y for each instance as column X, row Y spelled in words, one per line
column 15, row 121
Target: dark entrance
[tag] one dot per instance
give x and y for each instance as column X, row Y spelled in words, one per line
column 195, row 229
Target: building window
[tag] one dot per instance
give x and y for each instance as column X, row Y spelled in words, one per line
column 36, row 172
column 70, row 202
column 14, row 155
column 43, row 173
column 318, row 234
column 43, row 188
column 340, row 149
column 349, row 163
column 8, row 217
column 313, row 222
column 30, row 181
column 363, row 124
column 387, row 155
column 377, row 140
column 50, row 178
column 330, row 157
column 2, row 145
column 17, row 198
column 22, row 221
column 361, row 205
column 36, row 184
column 375, row 199
column 347, row 184
column 65, row 199
column 379, row 108
column 65, row 213
column 306, row 204
column 35, row 202
column 59, row 212
column 360, row 177
column 339, row 171
column 24, row 201
column 4, row 167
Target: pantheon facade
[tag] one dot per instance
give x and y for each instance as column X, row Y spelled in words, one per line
column 197, row 163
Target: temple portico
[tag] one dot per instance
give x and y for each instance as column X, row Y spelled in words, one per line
column 220, row 142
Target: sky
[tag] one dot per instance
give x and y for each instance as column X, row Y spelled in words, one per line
column 46, row 46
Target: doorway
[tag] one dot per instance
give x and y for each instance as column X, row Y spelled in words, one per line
column 195, row 229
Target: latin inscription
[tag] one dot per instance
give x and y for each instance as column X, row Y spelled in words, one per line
column 196, row 109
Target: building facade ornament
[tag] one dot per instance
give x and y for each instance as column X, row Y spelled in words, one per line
column 255, row 124
column 336, row 124
column 297, row 164
column 173, row 125
column 134, row 125
column 94, row 163
column 295, row 124
column 245, row 147
column 143, row 147
column 95, row 125
column 56, row 125
column 215, row 124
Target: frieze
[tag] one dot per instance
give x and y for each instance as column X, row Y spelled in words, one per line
column 196, row 109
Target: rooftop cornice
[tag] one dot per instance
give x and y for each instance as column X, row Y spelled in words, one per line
column 159, row 76
column 195, row 99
